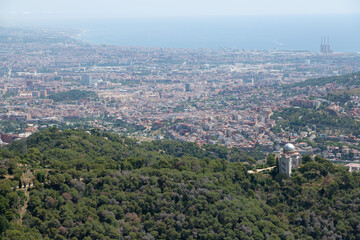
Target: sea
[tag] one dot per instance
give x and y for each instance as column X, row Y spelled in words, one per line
column 299, row 32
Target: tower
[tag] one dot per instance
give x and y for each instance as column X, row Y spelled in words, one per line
column 290, row 159
column 325, row 45
column 86, row 80
column 321, row 45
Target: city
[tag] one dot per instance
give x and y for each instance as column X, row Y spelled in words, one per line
column 207, row 96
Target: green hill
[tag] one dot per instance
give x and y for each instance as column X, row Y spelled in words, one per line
column 302, row 119
column 94, row 185
column 352, row 79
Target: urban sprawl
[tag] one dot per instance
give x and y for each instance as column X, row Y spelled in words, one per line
column 207, row 96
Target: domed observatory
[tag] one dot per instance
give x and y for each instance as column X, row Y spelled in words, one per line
column 290, row 159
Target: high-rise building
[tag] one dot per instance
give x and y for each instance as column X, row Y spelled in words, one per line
column 86, row 80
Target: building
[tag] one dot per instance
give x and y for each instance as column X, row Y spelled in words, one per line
column 353, row 167
column 290, row 159
column 87, row 80
column 43, row 93
column 305, row 103
column 7, row 138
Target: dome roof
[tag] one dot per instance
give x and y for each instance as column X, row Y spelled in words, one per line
column 289, row 147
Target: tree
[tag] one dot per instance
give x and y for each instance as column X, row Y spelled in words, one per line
column 306, row 159
column 40, row 176
column 270, row 160
column 4, row 223
column 3, row 172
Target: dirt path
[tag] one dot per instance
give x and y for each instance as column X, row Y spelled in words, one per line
column 260, row 170
column 27, row 180
column 23, row 208
column 7, row 176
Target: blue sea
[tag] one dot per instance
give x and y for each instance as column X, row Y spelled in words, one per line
column 250, row 32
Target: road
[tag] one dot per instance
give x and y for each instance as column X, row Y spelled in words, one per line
column 260, row 170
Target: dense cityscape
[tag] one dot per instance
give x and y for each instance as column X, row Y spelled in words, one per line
column 207, row 96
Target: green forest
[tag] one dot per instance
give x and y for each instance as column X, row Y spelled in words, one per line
column 344, row 80
column 300, row 119
column 97, row 185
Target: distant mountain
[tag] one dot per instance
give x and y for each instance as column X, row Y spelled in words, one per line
column 95, row 185
column 352, row 79
column 38, row 36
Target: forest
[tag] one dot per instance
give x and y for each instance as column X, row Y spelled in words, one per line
column 98, row 185
column 344, row 80
column 301, row 119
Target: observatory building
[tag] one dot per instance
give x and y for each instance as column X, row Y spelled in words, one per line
column 290, row 159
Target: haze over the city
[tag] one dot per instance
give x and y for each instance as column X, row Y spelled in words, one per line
column 260, row 24
column 23, row 10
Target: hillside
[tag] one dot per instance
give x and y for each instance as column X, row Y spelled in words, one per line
column 301, row 119
column 38, row 36
column 94, row 185
column 352, row 79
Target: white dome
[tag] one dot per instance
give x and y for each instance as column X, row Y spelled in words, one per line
column 289, row 147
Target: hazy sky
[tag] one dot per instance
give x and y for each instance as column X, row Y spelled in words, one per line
column 27, row 10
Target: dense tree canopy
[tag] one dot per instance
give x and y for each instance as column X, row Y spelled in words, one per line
column 300, row 119
column 345, row 80
column 95, row 185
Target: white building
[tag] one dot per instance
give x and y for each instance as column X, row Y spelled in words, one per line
column 290, row 159
column 353, row 167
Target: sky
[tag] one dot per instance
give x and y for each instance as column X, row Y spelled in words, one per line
column 23, row 11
